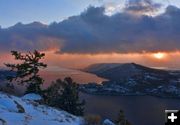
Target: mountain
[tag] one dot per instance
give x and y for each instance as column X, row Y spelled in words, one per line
column 117, row 72
column 131, row 78
column 4, row 73
column 25, row 111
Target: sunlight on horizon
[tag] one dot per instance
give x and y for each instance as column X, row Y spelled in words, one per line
column 159, row 55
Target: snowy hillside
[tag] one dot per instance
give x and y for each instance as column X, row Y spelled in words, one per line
column 24, row 111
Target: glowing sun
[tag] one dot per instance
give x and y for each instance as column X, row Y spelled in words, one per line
column 159, row 55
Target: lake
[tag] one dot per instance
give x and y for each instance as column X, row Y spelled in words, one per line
column 52, row 73
column 139, row 110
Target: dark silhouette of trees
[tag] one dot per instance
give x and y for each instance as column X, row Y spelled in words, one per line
column 121, row 120
column 26, row 70
column 65, row 95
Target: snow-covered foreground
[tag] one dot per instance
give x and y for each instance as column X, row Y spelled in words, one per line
column 24, row 111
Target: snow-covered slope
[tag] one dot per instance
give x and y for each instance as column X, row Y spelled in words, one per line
column 32, row 96
column 22, row 111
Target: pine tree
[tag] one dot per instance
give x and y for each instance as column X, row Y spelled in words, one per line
column 121, row 120
column 70, row 98
column 65, row 95
column 27, row 70
column 52, row 95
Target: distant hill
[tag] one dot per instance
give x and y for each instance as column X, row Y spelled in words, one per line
column 133, row 79
column 120, row 71
column 5, row 73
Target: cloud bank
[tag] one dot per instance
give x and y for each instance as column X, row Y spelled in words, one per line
column 94, row 32
column 142, row 6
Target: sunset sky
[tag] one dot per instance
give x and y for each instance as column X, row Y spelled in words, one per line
column 76, row 33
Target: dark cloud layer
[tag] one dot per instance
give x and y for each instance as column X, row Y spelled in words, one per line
column 142, row 6
column 94, row 32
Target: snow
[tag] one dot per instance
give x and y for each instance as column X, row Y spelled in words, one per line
column 32, row 96
column 32, row 113
column 108, row 122
column 131, row 82
column 8, row 104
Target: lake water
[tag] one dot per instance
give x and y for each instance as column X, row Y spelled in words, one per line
column 139, row 110
column 52, row 73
